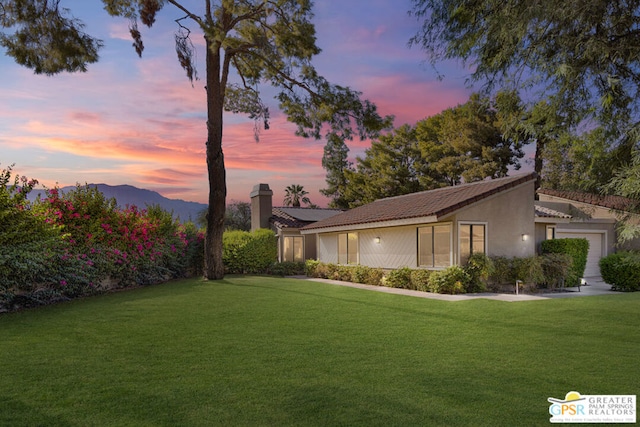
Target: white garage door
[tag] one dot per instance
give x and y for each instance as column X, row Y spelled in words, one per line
column 595, row 250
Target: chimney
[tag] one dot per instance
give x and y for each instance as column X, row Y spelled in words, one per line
column 261, row 206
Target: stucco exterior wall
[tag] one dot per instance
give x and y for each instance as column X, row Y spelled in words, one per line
column 508, row 215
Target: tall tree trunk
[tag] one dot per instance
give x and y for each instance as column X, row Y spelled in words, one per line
column 213, row 267
column 537, row 163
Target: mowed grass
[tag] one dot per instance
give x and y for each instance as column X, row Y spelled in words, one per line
column 256, row 351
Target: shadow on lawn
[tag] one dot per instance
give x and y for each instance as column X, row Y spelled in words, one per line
column 395, row 305
column 12, row 411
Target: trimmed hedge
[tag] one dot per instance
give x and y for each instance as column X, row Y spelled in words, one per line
column 578, row 249
column 249, row 253
column 622, row 271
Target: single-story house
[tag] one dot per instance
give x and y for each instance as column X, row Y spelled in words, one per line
column 443, row 227
column 433, row 229
column 286, row 222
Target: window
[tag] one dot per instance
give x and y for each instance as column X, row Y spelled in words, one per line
column 348, row 248
column 551, row 232
column 293, row 249
column 434, row 246
column 472, row 240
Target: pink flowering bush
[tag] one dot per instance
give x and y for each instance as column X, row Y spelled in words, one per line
column 78, row 243
column 130, row 246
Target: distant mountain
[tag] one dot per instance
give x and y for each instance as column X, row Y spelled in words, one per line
column 130, row 195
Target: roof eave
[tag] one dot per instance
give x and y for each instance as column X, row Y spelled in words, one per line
column 369, row 225
column 552, row 220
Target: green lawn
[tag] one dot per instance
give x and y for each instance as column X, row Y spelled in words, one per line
column 266, row 351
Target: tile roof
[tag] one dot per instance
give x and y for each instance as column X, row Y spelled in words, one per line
column 611, row 202
column 544, row 212
column 288, row 217
column 438, row 202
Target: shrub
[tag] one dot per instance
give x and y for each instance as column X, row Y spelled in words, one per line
column 244, row 252
column 262, row 251
column 18, row 224
column 479, row 268
column 506, row 271
column 78, row 243
column 359, row 274
column 374, row 276
column 327, row 271
column 420, row 279
column 342, row 273
column 311, row 267
column 502, row 272
column 529, row 270
column 451, row 280
column 319, row 269
column 193, row 249
column 399, row 278
column 287, row 268
column 555, row 268
column 622, row 271
column 578, row 249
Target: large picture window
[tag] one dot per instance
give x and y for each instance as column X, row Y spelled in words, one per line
column 434, row 246
column 293, row 250
column 348, row 248
column 472, row 240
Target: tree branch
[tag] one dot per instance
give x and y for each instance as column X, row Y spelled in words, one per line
column 193, row 16
column 240, row 18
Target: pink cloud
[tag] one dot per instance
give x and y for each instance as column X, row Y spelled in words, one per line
column 411, row 99
column 139, row 121
column 170, row 176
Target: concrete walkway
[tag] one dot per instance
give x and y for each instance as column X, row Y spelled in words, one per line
column 595, row 287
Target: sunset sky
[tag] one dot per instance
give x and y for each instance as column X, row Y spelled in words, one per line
column 138, row 121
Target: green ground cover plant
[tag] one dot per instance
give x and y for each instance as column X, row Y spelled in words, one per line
column 273, row 351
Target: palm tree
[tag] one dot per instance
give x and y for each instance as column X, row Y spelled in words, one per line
column 294, row 194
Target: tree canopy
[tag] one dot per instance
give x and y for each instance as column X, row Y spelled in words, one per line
column 335, row 161
column 586, row 162
column 465, row 143
column 584, row 55
column 249, row 43
column 577, row 62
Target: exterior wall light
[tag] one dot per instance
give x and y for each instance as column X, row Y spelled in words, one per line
column 525, row 237
column 377, row 240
